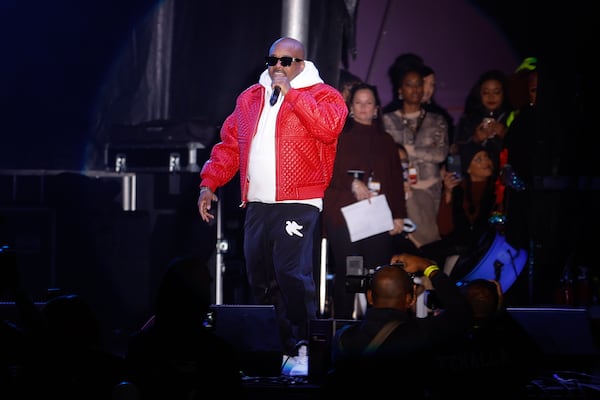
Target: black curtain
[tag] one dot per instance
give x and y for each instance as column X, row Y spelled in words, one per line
column 54, row 58
column 213, row 52
column 74, row 73
column 219, row 51
column 332, row 36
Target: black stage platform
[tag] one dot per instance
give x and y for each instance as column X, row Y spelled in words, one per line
column 568, row 336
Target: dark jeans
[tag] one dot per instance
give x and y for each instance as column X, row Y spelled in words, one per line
column 278, row 247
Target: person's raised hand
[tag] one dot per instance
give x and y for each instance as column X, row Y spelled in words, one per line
column 412, row 264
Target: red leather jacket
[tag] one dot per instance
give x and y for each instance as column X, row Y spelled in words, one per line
column 308, row 125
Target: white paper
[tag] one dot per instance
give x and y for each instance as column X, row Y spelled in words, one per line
column 368, row 217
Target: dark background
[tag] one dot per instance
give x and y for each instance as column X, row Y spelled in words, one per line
column 71, row 75
column 61, row 59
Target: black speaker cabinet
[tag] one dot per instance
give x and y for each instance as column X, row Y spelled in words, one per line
column 565, row 335
column 31, row 233
column 253, row 331
column 10, row 312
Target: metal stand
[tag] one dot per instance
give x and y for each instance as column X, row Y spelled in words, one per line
column 222, row 247
column 323, row 277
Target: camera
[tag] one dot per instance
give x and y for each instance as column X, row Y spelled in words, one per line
column 432, row 300
column 360, row 283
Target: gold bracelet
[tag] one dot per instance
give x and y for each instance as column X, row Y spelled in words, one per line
column 429, row 270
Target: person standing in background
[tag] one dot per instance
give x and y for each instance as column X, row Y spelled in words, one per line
column 429, row 102
column 364, row 145
column 522, row 148
column 282, row 138
column 401, row 64
column 520, row 144
column 346, row 82
column 483, row 120
column 424, row 135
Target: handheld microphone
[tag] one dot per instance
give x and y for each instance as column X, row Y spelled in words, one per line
column 275, row 95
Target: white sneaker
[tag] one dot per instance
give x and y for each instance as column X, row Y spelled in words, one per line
column 300, row 365
column 287, row 363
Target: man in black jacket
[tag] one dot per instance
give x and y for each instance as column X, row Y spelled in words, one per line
column 391, row 348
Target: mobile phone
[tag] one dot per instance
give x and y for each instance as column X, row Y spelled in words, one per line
column 487, row 121
column 453, row 165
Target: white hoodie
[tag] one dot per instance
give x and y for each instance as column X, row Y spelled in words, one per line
column 261, row 164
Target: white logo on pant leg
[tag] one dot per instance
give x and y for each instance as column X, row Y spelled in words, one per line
column 292, row 228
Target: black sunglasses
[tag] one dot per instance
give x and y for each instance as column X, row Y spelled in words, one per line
column 285, row 61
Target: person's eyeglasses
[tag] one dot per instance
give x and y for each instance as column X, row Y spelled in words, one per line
column 285, row 61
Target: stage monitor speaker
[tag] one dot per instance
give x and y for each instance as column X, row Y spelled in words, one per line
column 321, row 331
column 565, row 335
column 31, row 233
column 10, row 312
column 558, row 330
column 254, row 332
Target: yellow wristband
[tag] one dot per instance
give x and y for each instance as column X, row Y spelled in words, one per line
column 429, row 270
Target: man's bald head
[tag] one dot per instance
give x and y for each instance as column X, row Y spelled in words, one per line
column 295, row 47
column 391, row 287
column 287, row 47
